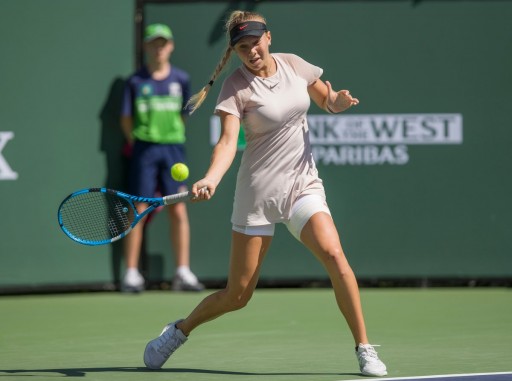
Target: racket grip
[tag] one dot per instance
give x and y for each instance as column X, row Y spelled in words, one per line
column 178, row 197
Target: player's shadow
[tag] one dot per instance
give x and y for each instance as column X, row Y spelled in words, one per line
column 84, row 372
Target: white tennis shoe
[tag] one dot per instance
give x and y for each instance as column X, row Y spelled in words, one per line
column 369, row 362
column 159, row 350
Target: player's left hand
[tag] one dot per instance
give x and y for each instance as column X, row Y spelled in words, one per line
column 339, row 101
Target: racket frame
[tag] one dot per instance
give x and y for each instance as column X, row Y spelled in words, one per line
column 153, row 203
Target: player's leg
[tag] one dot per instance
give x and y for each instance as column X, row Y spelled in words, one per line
column 320, row 235
column 247, row 253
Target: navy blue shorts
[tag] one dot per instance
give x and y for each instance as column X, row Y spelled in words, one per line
column 150, row 169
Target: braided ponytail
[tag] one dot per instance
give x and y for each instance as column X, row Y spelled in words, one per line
column 236, row 17
column 197, row 99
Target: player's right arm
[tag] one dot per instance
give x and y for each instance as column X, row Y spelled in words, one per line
column 222, row 157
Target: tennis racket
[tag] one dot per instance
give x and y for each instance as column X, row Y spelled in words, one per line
column 98, row 216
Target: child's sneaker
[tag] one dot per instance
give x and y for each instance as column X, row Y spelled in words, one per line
column 158, row 350
column 185, row 280
column 369, row 362
column 132, row 281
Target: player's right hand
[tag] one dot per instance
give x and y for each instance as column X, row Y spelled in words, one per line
column 203, row 190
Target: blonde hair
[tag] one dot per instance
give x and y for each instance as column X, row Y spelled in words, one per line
column 236, row 17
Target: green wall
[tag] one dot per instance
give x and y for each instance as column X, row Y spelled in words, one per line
column 431, row 208
column 60, row 61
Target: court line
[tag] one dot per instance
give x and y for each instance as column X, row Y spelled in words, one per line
column 455, row 376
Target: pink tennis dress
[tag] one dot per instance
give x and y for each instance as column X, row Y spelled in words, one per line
column 277, row 165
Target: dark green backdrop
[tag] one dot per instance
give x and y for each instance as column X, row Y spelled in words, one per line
column 445, row 212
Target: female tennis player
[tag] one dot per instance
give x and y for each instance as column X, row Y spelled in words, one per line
column 277, row 181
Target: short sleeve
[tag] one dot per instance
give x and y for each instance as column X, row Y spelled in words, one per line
column 304, row 69
column 227, row 100
column 234, row 94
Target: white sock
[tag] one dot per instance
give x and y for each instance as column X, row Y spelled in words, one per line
column 132, row 270
column 183, row 270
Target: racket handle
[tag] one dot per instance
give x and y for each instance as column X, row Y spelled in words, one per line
column 178, row 197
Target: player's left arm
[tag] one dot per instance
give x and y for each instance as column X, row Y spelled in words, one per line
column 329, row 100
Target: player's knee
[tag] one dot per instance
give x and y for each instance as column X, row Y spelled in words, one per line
column 333, row 257
column 236, row 301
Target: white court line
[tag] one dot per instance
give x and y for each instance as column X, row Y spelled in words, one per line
column 432, row 377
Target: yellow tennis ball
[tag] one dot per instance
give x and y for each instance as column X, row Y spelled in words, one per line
column 179, row 172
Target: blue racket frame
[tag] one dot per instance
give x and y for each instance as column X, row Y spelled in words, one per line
column 130, row 201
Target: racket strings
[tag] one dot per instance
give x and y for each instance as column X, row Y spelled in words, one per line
column 97, row 216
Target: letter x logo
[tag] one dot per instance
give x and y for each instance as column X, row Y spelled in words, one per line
column 6, row 172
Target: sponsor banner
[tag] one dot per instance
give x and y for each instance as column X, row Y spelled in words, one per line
column 372, row 139
column 386, row 129
column 360, row 155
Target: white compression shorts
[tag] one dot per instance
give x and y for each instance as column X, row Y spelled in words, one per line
column 301, row 212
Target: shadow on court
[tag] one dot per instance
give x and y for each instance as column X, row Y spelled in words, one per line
column 83, row 372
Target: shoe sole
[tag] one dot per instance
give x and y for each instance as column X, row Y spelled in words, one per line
column 374, row 374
